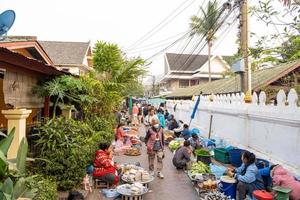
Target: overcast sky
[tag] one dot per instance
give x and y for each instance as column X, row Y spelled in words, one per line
column 116, row 21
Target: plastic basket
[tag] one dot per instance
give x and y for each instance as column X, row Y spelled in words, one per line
column 235, row 157
column 221, row 155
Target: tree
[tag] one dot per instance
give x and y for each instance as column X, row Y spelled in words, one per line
column 206, row 26
column 114, row 69
column 286, row 21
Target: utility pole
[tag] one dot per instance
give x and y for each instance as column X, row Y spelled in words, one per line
column 244, row 46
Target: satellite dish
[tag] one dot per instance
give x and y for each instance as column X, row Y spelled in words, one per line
column 7, row 19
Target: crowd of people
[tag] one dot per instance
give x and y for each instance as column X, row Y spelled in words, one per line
column 159, row 120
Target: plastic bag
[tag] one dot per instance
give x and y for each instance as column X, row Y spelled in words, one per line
column 218, row 171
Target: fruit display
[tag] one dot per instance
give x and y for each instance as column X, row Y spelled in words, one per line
column 132, row 152
column 200, row 168
column 212, row 195
column 132, row 189
column 174, row 145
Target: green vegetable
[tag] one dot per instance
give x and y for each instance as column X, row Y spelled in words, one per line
column 174, row 145
column 202, row 152
column 200, row 168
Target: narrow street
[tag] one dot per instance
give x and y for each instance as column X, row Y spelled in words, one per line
column 175, row 185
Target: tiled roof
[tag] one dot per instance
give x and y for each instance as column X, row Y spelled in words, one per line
column 13, row 38
column 232, row 84
column 65, row 52
column 185, row 62
column 20, row 61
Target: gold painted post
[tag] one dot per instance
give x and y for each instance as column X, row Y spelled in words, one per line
column 16, row 118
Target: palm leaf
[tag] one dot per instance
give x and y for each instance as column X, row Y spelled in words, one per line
column 21, row 157
column 6, row 142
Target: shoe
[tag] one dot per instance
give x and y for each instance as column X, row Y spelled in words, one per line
column 160, row 175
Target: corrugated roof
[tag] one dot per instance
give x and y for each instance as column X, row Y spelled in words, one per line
column 185, row 62
column 65, row 52
column 232, row 84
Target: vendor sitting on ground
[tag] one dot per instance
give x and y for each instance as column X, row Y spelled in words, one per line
column 186, row 133
column 104, row 167
column 195, row 142
column 247, row 176
column 179, row 129
column 182, row 156
column 172, row 123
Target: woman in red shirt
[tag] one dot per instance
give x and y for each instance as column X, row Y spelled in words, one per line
column 104, row 167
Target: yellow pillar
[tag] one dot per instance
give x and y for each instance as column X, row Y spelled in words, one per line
column 16, row 118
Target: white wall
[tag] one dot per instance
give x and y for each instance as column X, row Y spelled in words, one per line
column 217, row 66
column 272, row 132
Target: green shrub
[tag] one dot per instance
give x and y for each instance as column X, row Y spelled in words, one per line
column 46, row 187
column 65, row 147
column 103, row 126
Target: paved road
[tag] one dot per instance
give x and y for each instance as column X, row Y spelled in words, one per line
column 175, row 185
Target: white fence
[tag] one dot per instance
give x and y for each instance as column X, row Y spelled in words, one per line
column 272, row 132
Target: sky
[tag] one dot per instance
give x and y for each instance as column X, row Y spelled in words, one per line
column 118, row 21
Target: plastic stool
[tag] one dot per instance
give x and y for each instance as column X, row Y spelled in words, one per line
column 281, row 193
column 138, row 197
column 100, row 184
column 262, row 195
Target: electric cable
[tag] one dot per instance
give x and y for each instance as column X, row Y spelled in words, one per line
column 163, row 23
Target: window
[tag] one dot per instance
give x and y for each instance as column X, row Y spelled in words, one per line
column 194, row 82
column 184, row 83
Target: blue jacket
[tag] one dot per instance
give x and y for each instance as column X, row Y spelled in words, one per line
column 162, row 120
column 251, row 176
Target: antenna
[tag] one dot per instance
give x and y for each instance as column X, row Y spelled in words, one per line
column 7, row 19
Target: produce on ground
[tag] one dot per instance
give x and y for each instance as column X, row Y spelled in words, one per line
column 133, row 152
column 213, row 195
column 208, row 185
column 200, row 168
column 174, row 145
column 202, row 152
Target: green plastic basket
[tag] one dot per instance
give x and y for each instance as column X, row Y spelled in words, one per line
column 221, row 155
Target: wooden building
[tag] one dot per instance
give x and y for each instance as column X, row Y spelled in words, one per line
column 18, row 74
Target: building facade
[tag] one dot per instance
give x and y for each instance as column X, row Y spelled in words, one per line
column 185, row 70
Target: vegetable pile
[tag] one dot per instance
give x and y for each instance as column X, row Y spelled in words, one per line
column 202, row 152
column 174, row 145
column 214, row 195
column 200, row 168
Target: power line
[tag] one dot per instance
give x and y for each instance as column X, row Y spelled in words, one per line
column 198, row 43
column 191, row 38
column 222, row 9
column 185, row 35
column 151, row 47
column 164, row 23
